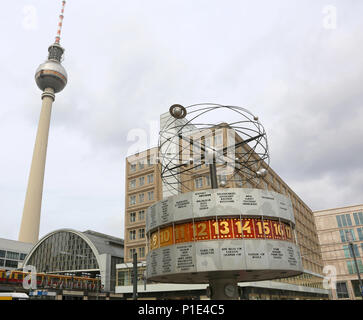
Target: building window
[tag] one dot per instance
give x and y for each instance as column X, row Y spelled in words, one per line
column 198, row 182
column 2, row 253
column 141, row 165
column 141, row 233
column 360, row 233
column 358, row 218
column 207, row 181
column 351, row 266
column 356, row 251
column 141, row 215
column 132, row 235
column 150, row 178
column 132, row 183
column 344, row 220
column 132, row 167
column 141, row 197
column 149, row 162
column 150, row 195
column 12, row 255
column 132, row 200
column 207, row 142
column 349, row 221
column 153, row 160
column 132, row 216
column 198, row 150
column 122, row 279
column 132, row 251
column 22, row 256
column 351, row 231
column 343, row 234
column 238, row 180
column 348, row 251
column 342, row 290
column 141, row 252
column 141, row 181
column 218, row 140
column 221, row 177
column 11, row 264
column 339, row 221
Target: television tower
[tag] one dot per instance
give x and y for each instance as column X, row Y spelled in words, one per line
column 51, row 78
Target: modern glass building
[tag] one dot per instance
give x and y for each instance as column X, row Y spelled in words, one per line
column 71, row 252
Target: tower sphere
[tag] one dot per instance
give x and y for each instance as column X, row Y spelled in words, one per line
column 51, row 74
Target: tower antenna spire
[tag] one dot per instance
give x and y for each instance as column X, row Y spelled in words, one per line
column 60, row 23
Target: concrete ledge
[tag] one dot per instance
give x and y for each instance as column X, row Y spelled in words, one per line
column 160, row 287
column 168, row 287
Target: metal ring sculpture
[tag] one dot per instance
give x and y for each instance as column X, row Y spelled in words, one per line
column 188, row 140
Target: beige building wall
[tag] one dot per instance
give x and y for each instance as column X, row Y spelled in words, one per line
column 143, row 188
column 332, row 225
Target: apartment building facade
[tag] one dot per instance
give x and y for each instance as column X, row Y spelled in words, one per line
column 336, row 228
column 142, row 189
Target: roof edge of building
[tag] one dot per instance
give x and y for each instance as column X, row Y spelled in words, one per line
column 338, row 208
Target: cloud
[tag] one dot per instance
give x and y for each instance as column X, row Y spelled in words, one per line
column 317, row 128
column 128, row 62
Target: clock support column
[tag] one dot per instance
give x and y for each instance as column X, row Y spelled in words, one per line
column 221, row 288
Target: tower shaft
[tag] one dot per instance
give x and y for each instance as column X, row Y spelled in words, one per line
column 29, row 229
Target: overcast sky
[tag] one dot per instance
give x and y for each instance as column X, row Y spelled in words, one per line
column 297, row 64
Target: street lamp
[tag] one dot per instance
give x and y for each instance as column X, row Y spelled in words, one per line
column 350, row 240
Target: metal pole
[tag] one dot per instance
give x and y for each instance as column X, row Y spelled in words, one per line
column 356, row 266
column 134, row 281
column 213, row 175
column 145, row 280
